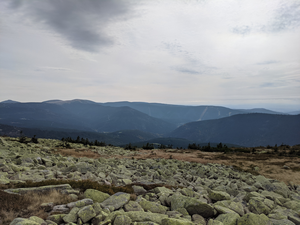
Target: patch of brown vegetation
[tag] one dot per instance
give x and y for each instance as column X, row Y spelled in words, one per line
column 27, row 205
column 78, row 153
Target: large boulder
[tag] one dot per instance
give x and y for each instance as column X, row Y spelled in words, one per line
column 80, row 203
column 58, row 218
column 95, row 195
column 86, row 213
column 153, row 207
column 234, row 206
column 194, row 206
column 146, row 216
column 295, row 205
column 254, row 219
column 22, row 221
column 122, row 220
column 116, row 201
column 133, row 206
column 256, row 205
column 228, row 219
column 218, row 195
column 72, row 216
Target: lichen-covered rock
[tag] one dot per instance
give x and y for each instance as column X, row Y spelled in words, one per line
column 95, row 195
column 294, row 219
column 199, row 220
column 234, row 206
column 145, row 223
column 194, row 206
column 72, row 216
column 37, row 219
column 223, row 210
column 258, row 206
column 133, row 206
column 122, row 220
column 162, row 190
column 58, row 218
column 218, row 195
column 282, row 189
column 60, row 209
column 177, row 201
column 22, row 221
column 153, row 207
column 228, row 219
column 295, row 205
column 117, row 200
column 86, row 213
column 146, row 216
column 49, row 222
column 214, row 222
column 254, row 219
column 80, row 203
column 172, row 221
column 139, row 190
column 281, row 222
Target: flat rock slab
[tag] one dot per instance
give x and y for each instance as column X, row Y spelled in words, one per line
column 61, row 188
column 117, row 200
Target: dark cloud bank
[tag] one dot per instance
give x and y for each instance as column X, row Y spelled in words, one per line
column 81, row 23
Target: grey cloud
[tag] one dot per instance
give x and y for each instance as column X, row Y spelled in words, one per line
column 267, row 62
column 185, row 70
column 81, row 23
column 287, row 17
column 243, row 30
column 43, row 69
column 268, row 84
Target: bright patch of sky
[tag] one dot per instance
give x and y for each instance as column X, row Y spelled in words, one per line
column 239, row 54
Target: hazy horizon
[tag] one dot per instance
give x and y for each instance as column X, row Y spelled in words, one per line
column 283, row 110
column 236, row 54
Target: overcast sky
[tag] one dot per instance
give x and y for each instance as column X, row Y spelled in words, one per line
column 235, row 53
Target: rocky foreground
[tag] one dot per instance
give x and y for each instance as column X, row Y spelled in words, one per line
column 210, row 194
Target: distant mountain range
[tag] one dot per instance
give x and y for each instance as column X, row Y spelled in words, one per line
column 179, row 115
column 117, row 122
column 245, row 129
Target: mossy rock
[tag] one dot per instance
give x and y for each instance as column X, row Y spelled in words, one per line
column 172, row 221
column 228, row 219
column 146, row 216
column 95, row 195
column 86, row 213
column 153, row 207
column 117, row 200
column 254, row 219
column 72, row 216
column 218, row 195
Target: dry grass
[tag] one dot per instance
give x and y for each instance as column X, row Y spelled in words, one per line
column 27, row 205
column 78, row 153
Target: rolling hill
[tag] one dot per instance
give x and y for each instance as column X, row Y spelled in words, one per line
column 80, row 115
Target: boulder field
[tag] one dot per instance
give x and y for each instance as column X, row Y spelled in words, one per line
column 210, row 194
